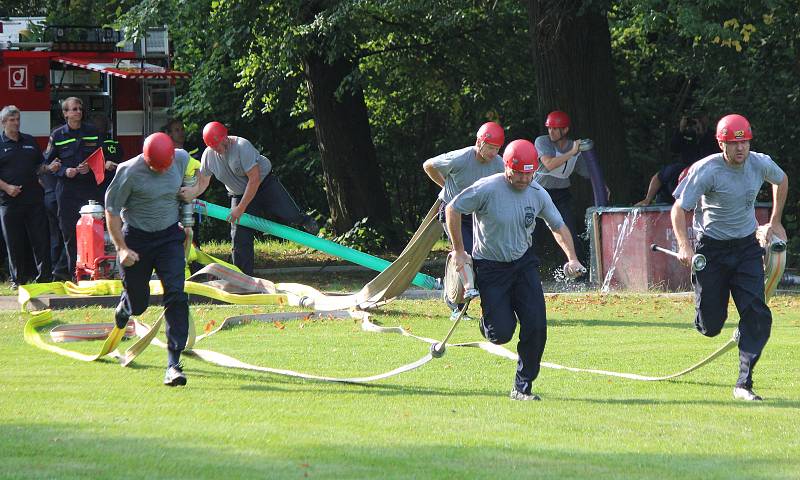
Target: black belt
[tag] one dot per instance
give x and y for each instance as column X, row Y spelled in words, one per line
column 732, row 243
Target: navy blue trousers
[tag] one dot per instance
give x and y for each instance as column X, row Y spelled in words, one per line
column 58, row 253
column 511, row 292
column 735, row 268
column 271, row 201
column 22, row 224
column 161, row 251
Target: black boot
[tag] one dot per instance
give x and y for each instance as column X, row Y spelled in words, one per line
column 122, row 315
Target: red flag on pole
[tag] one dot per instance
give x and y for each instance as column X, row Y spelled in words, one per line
column 97, row 164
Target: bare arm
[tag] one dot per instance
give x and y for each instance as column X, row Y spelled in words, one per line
column 551, row 163
column 126, row 256
column 779, row 192
column 434, row 174
column 652, row 189
column 563, row 238
column 453, row 217
column 188, row 194
column 678, row 217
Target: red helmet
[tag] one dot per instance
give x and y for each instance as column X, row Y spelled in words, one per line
column 557, row 119
column 521, row 156
column 158, row 151
column 214, row 133
column 492, row 133
column 733, row 128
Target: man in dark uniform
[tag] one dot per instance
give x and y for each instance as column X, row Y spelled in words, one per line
column 144, row 195
column 113, row 154
column 504, row 207
column 722, row 189
column 58, row 251
column 22, row 200
column 69, row 147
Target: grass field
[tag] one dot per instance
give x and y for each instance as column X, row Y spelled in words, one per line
column 449, row 419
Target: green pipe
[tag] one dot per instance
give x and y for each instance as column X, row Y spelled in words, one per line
column 303, row 238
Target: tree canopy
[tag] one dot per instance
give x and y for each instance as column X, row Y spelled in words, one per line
column 427, row 74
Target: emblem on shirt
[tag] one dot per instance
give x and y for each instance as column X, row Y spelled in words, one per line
column 530, row 216
column 750, row 198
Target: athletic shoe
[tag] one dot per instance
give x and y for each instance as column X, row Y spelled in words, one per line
column 174, row 376
column 747, row 394
column 454, row 315
column 517, row 395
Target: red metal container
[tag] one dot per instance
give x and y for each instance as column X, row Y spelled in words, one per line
column 621, row 258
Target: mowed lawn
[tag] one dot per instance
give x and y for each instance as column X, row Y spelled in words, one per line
column 452, row 418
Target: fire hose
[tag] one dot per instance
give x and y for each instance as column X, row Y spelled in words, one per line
column 300, row 295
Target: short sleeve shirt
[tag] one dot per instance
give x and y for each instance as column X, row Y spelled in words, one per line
column 231, row 168
column 504, row 217
column 723, row 196
column 145, row 199
column 559, row 177
column 461, row 168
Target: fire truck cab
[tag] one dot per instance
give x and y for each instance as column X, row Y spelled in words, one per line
column 130, row 83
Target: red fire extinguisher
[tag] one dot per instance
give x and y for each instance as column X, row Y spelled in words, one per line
column 96, row 255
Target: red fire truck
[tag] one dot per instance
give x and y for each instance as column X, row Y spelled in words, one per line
column 131, row 84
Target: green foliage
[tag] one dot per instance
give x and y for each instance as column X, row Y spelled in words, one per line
column 433, row 71
column 363, row 237
column 675, row 56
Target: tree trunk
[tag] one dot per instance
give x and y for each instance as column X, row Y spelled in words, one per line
column 355, row 188
column 575, row 73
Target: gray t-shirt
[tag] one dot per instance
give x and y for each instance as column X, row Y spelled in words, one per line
column 231, row 169
column 461, row 168
column 559, row 177
column 723, row 196
column 504, row 217
column 145, row 199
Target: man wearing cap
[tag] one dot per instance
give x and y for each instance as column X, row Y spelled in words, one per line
column 454, row 171
column 722, row 189
column 142, row 212
column 505, row 206
column 251, row 186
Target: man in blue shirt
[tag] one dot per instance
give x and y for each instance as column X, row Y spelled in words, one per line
column 22, row 211
column 69, row 147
